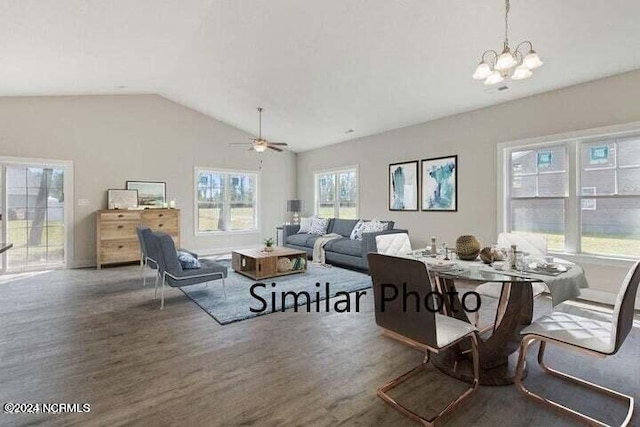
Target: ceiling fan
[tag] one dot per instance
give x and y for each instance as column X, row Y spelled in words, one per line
column 260, row 144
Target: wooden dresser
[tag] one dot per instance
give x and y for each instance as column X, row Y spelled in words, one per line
column 116, row 237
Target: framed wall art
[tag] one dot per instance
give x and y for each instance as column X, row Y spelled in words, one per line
column 403, row 186
column 151, row 194
column 122, row 199
column 440, row 184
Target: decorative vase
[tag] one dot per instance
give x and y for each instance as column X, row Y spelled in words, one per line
column 486, row 255
column 467, row 247
column 284, row 265
column 268, row 248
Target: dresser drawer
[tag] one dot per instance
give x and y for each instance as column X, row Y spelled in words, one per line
column 168, row 225
column 119, row 251
column 110, row 230
column 151, row 214
column 120, row 216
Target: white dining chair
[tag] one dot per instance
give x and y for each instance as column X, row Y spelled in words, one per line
column 533, row 244
column 393, row 244
column 592, row 337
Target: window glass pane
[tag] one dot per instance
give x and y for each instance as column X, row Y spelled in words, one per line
column 326, row 187
column 598, row 155
column 242, row 194
column 551, row 159
column 552, row 185
column 629, row 152
column 211, row 201
column 210, row 217
column 598, row 182
column 612, row 226
column 524, row 186
column 544, row 217
column 523, row 162
column 629, row 181
column 348, row 195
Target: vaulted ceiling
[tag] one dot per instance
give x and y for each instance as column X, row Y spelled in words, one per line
column 318, row 67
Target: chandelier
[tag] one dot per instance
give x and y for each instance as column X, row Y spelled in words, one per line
column 494, row 68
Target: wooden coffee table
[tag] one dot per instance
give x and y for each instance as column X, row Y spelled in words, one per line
column 258, row 264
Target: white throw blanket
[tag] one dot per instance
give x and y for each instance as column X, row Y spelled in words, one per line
column 318, row 247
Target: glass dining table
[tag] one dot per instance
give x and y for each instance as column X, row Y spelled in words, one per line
column 498, row 352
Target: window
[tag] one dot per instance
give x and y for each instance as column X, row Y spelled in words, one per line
column 337, row 194
column 539, row 182
column 226, row 201
column 601, row 217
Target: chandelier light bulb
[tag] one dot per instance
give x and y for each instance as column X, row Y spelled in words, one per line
column 505, row 60
column 532, row 60
column 494, row 78
column 260, row 147
column 521, row 73
column 482, row 72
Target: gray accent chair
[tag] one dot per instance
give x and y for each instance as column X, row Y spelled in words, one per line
column 343, row 251
column 148, row 254
column 171, row 270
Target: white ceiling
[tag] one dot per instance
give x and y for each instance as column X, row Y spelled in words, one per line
column 317, row 67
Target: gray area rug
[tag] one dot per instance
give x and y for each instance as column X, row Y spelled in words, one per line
column 239, row 301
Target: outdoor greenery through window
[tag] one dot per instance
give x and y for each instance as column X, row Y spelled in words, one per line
column 226, row 201
column 337, row 194
column 605, row 218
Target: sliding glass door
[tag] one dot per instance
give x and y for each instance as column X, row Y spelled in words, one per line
column 33, row 215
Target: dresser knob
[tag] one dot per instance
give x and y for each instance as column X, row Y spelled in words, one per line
column 160, row 215
column 120, row 215
column 160, row 225
column 120, row 247
column 121, row 226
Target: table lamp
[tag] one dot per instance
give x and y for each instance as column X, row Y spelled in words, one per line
column 294, row 206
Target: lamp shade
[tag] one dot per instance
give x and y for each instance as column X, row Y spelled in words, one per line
column 294, row 205
column 505, row 61
column 482, row 72
column 494, row 78
column 521, row 73
column 532, row 60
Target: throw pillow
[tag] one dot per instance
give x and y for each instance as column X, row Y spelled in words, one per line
column 319, row 226
column 187, row 261
column 305, row 225
column 372, row 226
column 356, row 230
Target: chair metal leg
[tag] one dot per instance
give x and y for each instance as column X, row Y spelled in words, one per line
column 144, row 278
column 524, row 348
column 382, row 391
column 155, row 295
column 164, row 278
column 224, row 289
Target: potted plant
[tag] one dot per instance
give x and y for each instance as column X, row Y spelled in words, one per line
column 268, row 244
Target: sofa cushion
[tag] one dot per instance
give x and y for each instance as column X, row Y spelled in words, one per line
column 390, row 224
column 345, row 246
column 319, row 226
column 304, row 240
column 305, row 225
column 343, row 227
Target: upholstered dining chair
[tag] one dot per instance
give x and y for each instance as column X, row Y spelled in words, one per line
column 423, row 329
column 592, row 337
column 393, row 244
column 172, row 272
column 533, row 244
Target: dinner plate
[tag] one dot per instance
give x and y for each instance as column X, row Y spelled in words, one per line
column 548, row 267
column 441, row 265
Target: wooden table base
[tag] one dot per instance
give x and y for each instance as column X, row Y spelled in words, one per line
column 498, row 353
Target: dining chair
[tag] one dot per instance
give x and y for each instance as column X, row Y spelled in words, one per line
column 393, row 244
column 423, row 329
column 172, row 272
column 533, row 244
column 589, row 336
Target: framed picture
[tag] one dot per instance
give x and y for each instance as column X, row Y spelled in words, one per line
column 403, row 186
column 440, row 184
column 122, row 199
column 150, row 194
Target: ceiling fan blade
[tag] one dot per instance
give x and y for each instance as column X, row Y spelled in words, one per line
column 281, row 144
column 274, row 148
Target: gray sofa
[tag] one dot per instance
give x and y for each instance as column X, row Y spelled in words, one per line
column 344, row 251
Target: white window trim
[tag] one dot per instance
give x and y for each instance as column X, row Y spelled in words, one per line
column 572, row 232
column 316, row 190
column 69, row 200
column 196, row 232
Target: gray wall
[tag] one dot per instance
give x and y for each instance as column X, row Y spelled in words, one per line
column 473, row 136
column 111, row 139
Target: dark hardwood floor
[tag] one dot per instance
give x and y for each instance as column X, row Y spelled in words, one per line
column 92, row 336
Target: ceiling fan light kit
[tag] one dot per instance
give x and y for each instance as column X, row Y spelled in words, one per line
column 494, row 68
column 259, row 144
